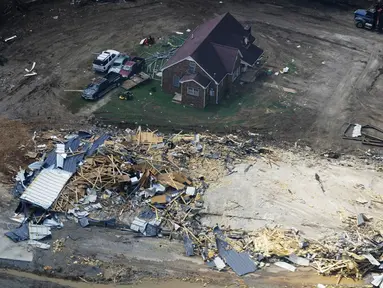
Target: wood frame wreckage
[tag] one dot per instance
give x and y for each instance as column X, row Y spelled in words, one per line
column 367, row 134
column 153, row 184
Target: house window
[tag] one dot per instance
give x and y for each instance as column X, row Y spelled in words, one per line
column 236, row 73
column 192, row 66
column 212, row 92
column 192, row 91
column 176, row 81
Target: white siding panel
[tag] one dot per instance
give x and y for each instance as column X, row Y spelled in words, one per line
column 46, row 187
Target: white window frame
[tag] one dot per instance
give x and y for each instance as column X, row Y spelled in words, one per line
column 192, row 91
column 192, row 67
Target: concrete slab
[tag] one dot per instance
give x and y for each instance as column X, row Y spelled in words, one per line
column 14, row 251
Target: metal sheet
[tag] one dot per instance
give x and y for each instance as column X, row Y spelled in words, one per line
column 72, row 144
column 50, row 160
column 188, row 244
column 38, row 232
column 19, row 234
column 97, row 143
column 71, row 162
column 46, row 187
column 241, row 263
column 59, row 161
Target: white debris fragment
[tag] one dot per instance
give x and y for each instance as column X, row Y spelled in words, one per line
column 190, row 191
column 378, row 281
column 30, row 74
column 219, row 263
column 179, row 33
column 30, row 70
column 10, row 38
column 289, row 90
column 323, row 62
column 284, row 70
column 38, row 232
column 372, row 259
column 93, row 207
column 188, row 30
column 38, row 244
column 299, row 260
column 55, row 17
column 321, row 286
column 286, row 266
column 357, row 131
column 134, row 180
column 19, row 218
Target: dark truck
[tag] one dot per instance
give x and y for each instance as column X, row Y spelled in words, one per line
column 102, row 85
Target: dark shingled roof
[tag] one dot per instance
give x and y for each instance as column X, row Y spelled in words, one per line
column 202, row 80
column 214, row 46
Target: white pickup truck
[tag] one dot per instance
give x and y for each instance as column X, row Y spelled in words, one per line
column 105, row 60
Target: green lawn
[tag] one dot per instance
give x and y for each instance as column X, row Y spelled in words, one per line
column 151, row 106
column 158, row 109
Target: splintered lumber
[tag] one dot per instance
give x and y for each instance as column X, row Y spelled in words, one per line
column 147, row 138
column 168, row 179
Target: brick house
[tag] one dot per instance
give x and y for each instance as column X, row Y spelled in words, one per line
column 203, row 69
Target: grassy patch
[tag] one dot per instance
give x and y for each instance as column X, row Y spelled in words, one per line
column 156, row 108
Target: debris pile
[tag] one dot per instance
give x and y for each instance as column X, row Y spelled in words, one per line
column 154, row 185
column 139, row 180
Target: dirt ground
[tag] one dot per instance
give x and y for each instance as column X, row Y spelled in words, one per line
column 285, row 192
column 335, row 67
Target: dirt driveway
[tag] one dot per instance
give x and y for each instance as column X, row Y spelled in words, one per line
column 334, row 67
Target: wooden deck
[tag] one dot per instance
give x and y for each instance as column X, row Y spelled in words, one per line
column 135, row 80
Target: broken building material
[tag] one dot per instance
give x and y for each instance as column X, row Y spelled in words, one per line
column 241, row 263
column 46, row 187
column 38, row 232
column 19, row 234
column 299, row 260
column 38, row 244
column 286, row 266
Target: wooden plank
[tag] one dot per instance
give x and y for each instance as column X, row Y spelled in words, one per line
column 135, row 80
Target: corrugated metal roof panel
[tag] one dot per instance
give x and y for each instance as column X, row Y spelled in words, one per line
column 46, row 187
column 71, row 162
column 241, row 263
column 97, row 143
column 72, row 144
column 50, row 160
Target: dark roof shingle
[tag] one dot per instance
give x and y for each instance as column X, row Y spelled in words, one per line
column 215, row 44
